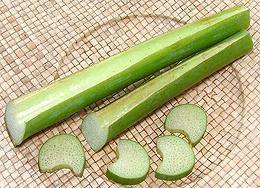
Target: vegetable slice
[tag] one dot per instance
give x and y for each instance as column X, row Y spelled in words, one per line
column 178, row 158
column 62, row 151
column 36, row 111
column 104, row 125
column 188, row 119
column 132, row 164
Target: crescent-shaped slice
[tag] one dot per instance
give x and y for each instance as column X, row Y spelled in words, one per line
column 132, row 164
column 62, row 151
column 178, row 158
column 188, row 119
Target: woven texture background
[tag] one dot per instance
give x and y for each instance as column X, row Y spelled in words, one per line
column 45, row 40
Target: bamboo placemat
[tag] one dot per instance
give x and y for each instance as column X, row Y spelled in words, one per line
column 44, row 40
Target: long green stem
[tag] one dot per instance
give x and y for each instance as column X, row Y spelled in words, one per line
column 104, row 125
column 35, row 111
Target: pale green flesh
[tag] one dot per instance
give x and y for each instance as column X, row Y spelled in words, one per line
column 178, row 158
column 188, row 119
column 126, row 111
column 33, row 112
column 132, row 164
column 94, row 131
column 60, row 152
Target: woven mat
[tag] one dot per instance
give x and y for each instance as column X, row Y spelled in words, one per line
column 45, row 40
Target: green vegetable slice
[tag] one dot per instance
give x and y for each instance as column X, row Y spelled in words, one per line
column 36, row 111
column 102, row 126
column 178, row 158
column 62, row 151
column 188, row 119
column 132, row 164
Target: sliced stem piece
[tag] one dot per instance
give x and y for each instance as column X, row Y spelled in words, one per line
column 178, row 158
column 188, row 119
column 132, row 164
column 102, row 126
column 62, row 151
column 36, row 111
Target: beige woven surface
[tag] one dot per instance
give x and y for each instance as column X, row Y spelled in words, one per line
column 49, row 39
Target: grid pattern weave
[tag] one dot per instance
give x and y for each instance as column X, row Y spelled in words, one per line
column 42, row 41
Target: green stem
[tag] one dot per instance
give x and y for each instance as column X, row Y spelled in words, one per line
column 104, row 125
column 36, row 111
